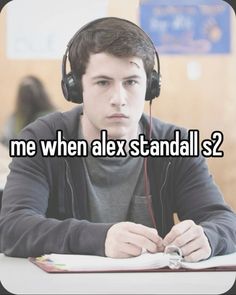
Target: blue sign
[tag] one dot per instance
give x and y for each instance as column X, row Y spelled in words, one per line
column 187, row 27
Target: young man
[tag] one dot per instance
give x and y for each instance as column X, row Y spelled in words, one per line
column 102, row 205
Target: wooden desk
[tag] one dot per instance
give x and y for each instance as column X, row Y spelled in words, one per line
column 19, row 276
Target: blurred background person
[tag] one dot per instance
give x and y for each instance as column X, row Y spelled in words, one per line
column 32, row 101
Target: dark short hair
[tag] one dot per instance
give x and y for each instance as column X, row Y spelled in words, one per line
column 115, row 36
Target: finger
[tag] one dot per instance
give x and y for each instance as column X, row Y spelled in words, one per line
column 191, row 234
column 197, row 255
column 201, row 243
column 191, row 247
column 123, row 250
column 148, row 232
column 177, row 230
column 143, row 242
column 196, row 244
column 129, row 250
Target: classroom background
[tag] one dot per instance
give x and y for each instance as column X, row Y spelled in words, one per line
column 198, row 83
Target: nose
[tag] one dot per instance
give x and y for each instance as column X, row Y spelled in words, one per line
column 118, row 95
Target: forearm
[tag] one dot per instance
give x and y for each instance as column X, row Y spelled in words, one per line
column 199, row 199
column 23, row 234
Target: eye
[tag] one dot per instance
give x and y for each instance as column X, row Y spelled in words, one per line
column 130, row 82
column 102, row 82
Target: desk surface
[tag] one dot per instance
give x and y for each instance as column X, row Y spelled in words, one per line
column 20, row 276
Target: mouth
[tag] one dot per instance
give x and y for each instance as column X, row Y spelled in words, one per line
column 117, row 116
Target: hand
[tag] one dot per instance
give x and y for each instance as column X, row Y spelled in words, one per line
column 127, row 239
column 192, row 240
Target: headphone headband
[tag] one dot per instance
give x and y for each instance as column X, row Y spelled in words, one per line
column 73, row 91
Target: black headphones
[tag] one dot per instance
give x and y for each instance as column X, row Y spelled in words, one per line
column 72, row 89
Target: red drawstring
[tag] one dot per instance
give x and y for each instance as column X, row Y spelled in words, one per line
column 146, row 182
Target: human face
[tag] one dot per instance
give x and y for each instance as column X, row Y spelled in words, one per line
column 113, row 95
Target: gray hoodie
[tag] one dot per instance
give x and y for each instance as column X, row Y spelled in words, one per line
column 45, row 202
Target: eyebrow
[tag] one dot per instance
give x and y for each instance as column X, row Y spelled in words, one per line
column 101, row 77
column 109, row 78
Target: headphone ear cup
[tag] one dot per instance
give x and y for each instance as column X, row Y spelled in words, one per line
column 71, row 89
column 153, row 85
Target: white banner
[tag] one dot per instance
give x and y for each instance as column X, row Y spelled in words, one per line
column 41, row 29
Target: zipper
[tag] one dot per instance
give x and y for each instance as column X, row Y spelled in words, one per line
column 68, row 173
column 161, row 196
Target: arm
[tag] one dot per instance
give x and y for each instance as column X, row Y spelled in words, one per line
column 208, row 225
column 25, row 228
